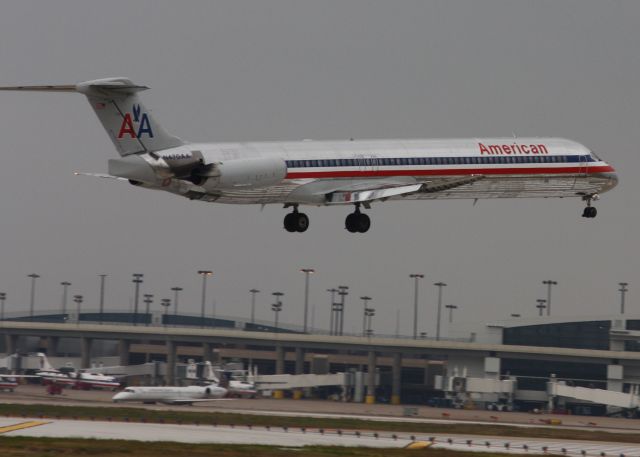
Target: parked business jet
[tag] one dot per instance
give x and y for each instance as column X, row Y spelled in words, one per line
column 355, row 173
column 171, row 395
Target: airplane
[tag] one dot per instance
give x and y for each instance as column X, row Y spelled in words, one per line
column 68, row 376
column 334, row 173
column 8, row 382
column 235, row 387
column 80, row 380
column 171, row 395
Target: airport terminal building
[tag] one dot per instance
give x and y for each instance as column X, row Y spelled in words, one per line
column 521, row 363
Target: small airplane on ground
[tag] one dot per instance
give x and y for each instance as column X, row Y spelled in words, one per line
column 8, row 382
column 235, row 387
column 334, row 173
column 78, row 379
column 171, row 395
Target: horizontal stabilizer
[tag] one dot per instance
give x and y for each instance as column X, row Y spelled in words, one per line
column 104, row 86
column 99, row 175
column 65, row 88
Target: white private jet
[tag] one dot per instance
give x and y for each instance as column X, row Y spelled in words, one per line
column 332, row 173
column 171, row 395
column 235, row 387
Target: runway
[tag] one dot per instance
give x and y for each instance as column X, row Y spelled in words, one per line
column 277, row 436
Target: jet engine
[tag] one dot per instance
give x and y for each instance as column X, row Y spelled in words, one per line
column 241, row 173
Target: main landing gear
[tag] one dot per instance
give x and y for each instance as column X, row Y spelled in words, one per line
column 589, row 211
column 357, row 222
column 296, row 222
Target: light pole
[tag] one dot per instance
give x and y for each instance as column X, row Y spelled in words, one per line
column 343, row 293
column 65, row 285
column 332, row 291
column 451, row 308
column 165, row 303
column 549, row 283
column 253, row 304
column 276, row 308
column 541, row 305
column 623, row 291
column 205, row 274
column 33, row 277
column 176, row 291
column 307, row 272
column 148, row 299
column 365, row 300
column 369, row 313
column 102, row 278
column 78, row 299
column 416, row 277
column 137, row 280
column 3, row 297
column 440, row 285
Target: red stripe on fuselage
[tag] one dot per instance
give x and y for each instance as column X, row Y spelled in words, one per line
column 450, row 172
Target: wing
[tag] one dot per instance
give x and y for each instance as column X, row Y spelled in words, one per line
column 368, row 191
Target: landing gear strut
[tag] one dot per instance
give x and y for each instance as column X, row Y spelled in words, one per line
column 589, row 211
column 296, row 222
column 357, row 221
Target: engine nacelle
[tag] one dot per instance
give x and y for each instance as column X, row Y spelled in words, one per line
column 245, row 173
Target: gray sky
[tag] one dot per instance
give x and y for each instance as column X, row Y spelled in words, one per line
column 269, row 70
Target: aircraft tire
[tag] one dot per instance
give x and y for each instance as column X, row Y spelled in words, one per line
column 363, row 223
column 289, row 222
column 350, row 223
column 301, row 222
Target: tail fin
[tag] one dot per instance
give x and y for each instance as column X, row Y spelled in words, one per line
column 115, row 101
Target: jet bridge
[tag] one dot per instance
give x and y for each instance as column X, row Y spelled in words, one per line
column 623, row 400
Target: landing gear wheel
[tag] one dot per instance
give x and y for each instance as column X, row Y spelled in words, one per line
column 589, row 212
column 302, row 222
column 289, row 222
column 350, row 223
column 296, row 222
column 357, row 222
column 363, row 223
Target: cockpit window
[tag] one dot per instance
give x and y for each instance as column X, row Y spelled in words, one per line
column 129, row 390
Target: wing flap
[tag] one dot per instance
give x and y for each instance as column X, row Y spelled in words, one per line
column 353, row 195
column 342, row 197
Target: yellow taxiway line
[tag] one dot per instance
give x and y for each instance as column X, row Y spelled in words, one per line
column 21, row 425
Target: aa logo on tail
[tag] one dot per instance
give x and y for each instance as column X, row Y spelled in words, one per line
column 141, row 120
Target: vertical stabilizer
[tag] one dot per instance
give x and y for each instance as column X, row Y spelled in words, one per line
column 129, row 124
column 131, row 127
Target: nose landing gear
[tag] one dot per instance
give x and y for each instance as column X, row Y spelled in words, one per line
column 589, row 211
column 296, row 222
column 357, row 222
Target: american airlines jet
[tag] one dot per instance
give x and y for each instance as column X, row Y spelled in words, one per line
column 330, row 173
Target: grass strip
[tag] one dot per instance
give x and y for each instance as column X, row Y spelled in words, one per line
column 41, row 447
column 311, row 423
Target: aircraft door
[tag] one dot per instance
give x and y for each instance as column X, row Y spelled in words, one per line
column 583, row 166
